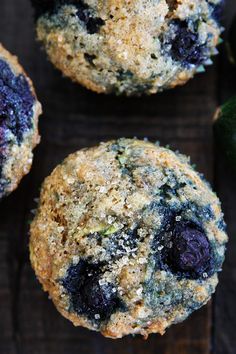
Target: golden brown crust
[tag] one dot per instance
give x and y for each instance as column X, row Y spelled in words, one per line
column 90, row 194
column 128, row 54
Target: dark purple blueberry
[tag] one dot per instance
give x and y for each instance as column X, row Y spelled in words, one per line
column 190, row 251
column 185, row 46
column 16, row 112
column 94, row 24
column 16, row 103
column 88, row 295
column 185, row 251
column 84, row 13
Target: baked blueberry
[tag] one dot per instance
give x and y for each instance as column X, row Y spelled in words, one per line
column 19, row 111
column 190, row 254
column 16, row 102
column 84, row 13
column 186, row 47
column 89, row 296
column 140, row 47
column 128, row 238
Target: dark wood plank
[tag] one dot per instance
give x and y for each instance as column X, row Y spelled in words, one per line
column 225, row 305
column 74, row 118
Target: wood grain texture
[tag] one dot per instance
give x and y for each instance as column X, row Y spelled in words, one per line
column 224, row 341
column 74, row 118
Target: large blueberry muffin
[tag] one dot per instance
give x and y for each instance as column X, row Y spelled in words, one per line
column 128, row 238
column 130, row 47
column 19, row 111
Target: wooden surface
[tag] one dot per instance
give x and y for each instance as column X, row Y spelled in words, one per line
column 74, row 118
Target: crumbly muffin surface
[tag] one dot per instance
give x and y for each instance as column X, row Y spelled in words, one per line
column 19, row 111
column 128, row 238
column 130, row 47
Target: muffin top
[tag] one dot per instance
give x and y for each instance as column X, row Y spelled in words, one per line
column 19, row 111
column 128, row 238
column 130, row 47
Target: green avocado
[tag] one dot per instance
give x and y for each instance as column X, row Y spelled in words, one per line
column 225, row 130
column 231, row 44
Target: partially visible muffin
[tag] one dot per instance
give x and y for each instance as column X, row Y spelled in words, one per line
column 128, row 238
column 19, row 111
column 131, row 47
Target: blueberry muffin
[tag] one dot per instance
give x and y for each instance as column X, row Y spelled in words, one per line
column 130, row 47
column 128, row 238
column 19, row 111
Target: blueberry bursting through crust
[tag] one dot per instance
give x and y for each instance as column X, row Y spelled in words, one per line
column 185, row 46
column 190, row 252
column 186, row 252
column 90, row 296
